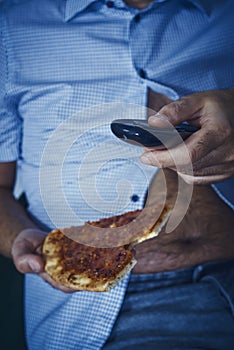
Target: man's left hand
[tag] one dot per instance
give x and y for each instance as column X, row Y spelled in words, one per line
column 211, row 149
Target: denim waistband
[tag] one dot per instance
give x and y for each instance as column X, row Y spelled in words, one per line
column 195, row 312
column 138, row 282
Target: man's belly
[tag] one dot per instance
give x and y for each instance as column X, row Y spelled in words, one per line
column 206, row 232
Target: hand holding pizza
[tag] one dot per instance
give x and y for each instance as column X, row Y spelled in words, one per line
column 211, row 149
column 27, row 257
column 69, row 265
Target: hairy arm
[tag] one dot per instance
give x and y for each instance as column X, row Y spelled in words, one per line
column 20, row 238
column 13, row 217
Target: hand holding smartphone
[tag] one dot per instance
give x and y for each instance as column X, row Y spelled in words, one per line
column 139, row 132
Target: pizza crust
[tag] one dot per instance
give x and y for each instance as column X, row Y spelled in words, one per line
column 82, row 267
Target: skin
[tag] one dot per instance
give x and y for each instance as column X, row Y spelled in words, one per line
column 211, row 149
column 140, row 4
column 204, row 234
column 20, row 238
column 197, row 239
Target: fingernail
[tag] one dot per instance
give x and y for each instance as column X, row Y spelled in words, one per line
column 34, row 266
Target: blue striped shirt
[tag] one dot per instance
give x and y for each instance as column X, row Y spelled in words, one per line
column 67, row 69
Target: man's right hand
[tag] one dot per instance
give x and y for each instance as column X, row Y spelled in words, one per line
column 27, row 256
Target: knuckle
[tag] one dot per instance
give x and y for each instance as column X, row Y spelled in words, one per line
column 193, row 155
column 196, row 153
column 228, row 132
column 182, row 103
column 187, row 178
column 19, row 266
column 176, row 107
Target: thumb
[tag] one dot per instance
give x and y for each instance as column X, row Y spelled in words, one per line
column 25, row 251
column 185, row 109
column 29, row 263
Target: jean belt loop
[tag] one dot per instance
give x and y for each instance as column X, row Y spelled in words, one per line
column 197, row 273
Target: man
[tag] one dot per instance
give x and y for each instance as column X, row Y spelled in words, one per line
column 58, row 58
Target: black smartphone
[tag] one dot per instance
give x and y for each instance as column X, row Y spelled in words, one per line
column 139, row 132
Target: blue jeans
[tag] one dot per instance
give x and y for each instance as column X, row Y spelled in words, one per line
column 190, row 309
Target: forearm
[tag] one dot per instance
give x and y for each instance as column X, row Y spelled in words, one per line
column 13, row 219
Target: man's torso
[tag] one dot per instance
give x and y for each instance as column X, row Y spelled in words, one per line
column 70, row 61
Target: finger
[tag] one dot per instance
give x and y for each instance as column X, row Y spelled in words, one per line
column 214, row 163
column 225, row 169
column 162, row 159
column 54, row 284
column 173, row 158
column 196, row 147
column 34, row 237
column 176, row 112
column 25, row 251
column 222, row 156
column 202, row 180
column 206, row 175
column 28, row 263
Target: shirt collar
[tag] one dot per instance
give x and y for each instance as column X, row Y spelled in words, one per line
column 202, row 5
column 73, row 7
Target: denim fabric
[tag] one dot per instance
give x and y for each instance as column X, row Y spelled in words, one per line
column 188, row 309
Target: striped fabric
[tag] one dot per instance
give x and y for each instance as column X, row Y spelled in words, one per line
column 67, row 68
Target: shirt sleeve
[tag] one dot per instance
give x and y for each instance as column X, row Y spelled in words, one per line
column 10, row 123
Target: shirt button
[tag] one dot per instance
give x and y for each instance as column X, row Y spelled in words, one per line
column 137, row 18
column 135, row 198
column 142, row 73
column 109, row 4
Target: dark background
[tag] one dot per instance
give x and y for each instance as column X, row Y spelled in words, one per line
column 11, row 307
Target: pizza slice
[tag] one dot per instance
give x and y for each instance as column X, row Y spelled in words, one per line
column 83, row 258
